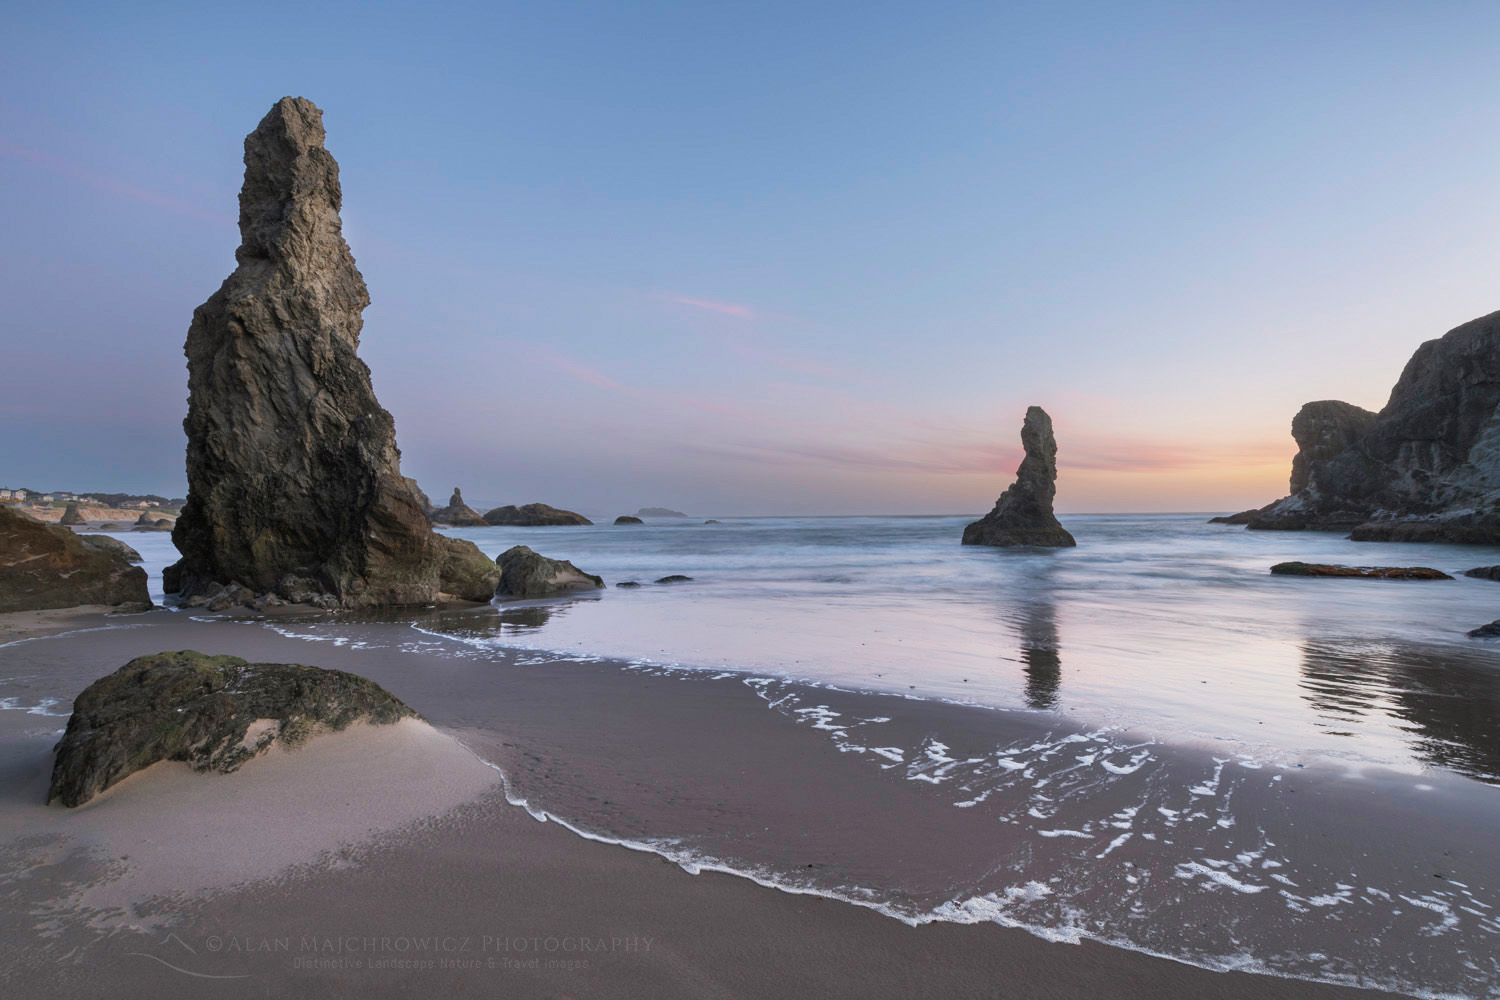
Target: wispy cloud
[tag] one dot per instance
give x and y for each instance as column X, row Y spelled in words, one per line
column 62, row 167
column 722, row 308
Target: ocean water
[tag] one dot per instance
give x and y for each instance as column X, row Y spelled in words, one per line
column 1159, row 622
column 1147, row 740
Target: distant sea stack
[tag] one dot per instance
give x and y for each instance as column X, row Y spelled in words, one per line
column 1023, row 514
column 458, row 513
column 294, row 479
column 1426, row 468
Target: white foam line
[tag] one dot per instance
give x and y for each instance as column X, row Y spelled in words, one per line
column 970, row 911
column 64, row 635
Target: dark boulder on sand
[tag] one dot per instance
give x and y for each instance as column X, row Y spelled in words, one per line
column 627, row 519
column 457, row 513
column 524, row 573
column 1370, row 572
column 71, row 516
column 1426, row 468
column 107, row 544
column 46, row 566
column 1023, row 514
column 212, row 712
column 294, row 477
column 534, row 515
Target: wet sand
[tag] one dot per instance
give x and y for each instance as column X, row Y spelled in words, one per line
column 483, row 899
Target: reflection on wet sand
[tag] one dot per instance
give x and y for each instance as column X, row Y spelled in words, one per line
column 1447, row 702
column 481, row 622
column 1036, row 624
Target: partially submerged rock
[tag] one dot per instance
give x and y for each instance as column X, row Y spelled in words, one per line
column 108, row 526
column 294, row 477
column 675, row 578
column 627, row 584
column 534, row 515
column 1484, row 573
column 106, row 544
column 71, row 516
column 1023, row 514
column 627, row 519
column 524, row 573
column 457, row 513
column 145, row 520
column 711, row 521
column 1490, row 631
column 212, row 712
column 46, row 566
column 1243, row 517
column 160, row 524
column 1373, row 572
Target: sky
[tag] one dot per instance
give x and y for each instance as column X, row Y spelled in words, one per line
column 766, row 258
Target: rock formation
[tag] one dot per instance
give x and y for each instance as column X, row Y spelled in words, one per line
column 71, row 516
column 1484, row 573
column 627, row 519
column 46, row 566
column 145, row 520
column 1425, row 468
column 1243, row 517
column 1369, row 572
column 675, row 578
column 524, row 573
column 458, row 514
column 213, row 712
column 659, row 512
column 107, row 544
column 294, row 479
column 534, row 515
column 418, row 495
column 1023, row 514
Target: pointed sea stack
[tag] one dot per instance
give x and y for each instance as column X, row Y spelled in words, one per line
column 294, row 479
column 457, row 513
column 1023, row 514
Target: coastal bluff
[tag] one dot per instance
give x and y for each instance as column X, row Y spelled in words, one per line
column 1426, row 468
column 294, row 478
column 1023, row 514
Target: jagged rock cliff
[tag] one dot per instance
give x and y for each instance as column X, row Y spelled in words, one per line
column 294, row 480
column 1023, row 514
column 1425, row 468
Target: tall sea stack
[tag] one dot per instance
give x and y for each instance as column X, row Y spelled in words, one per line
column 294, row 479
column 1023, row 514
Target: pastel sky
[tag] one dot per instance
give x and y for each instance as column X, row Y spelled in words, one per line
column 771, row 257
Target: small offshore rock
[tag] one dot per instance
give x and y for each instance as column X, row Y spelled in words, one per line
column 212, row 712
column 108, row 526
column 524, row 573
column 675, row 578
column 711, row 521
column 627, row 519
column 534, row 515
column 1484, row 572
column 1370, row 572
column 457, row 513
column 627, row 584
column 1490, row 631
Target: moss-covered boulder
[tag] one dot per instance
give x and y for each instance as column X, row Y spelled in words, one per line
column 45, row 566
column 213, row 712
column 466, row 572
column 524, row 573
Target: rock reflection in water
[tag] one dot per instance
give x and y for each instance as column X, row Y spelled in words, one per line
column 1036, row 625
column 1446, row 701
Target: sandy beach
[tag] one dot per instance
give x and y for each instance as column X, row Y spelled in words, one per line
column 390, row 861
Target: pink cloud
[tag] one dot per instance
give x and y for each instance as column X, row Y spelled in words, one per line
column 723, row 308
column 103, row 182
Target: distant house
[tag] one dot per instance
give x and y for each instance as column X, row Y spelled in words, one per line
column 19, row 494
column 46, row 498
column 7, row 494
